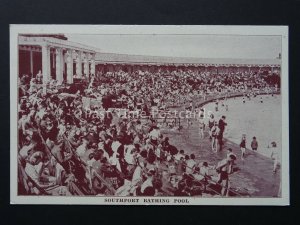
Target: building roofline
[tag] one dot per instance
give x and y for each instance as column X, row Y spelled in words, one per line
column 116, row 58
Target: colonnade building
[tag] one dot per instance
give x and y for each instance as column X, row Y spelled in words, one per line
column 110, row 62
column 56, row 58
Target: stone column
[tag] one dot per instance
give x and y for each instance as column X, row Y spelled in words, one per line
column 69, row 61
column 86, row 65
column 93, row 65
column 31, row 62
column 49, row 63
column 59, row 65
column 79, row 65
column 45, row 66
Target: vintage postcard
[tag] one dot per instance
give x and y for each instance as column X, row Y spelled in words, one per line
column 149, row 115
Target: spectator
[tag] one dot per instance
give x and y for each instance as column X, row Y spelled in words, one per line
column 222, row 125
column 254, row 144
column 223, row 169
column 275, row 156
column 243, row 146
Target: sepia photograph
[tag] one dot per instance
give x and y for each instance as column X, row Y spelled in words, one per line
column 149, row 115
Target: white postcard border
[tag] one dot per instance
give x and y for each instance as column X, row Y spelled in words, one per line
column 137, row 29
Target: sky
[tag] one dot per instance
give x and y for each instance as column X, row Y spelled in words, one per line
column 201, row 46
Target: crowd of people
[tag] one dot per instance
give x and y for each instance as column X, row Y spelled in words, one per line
column 68, row 144
column 173, row 88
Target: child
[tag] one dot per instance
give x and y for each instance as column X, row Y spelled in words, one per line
column 243, row 146
column 217, row 106
column 254, row 144
column 201, row 113
column 201, row 128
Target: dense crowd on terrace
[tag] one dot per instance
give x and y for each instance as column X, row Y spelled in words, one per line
column 69, row 146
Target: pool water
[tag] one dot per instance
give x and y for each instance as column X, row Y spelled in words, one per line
column 252, row 118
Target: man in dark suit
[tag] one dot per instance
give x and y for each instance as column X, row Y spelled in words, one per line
column 222, row 125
